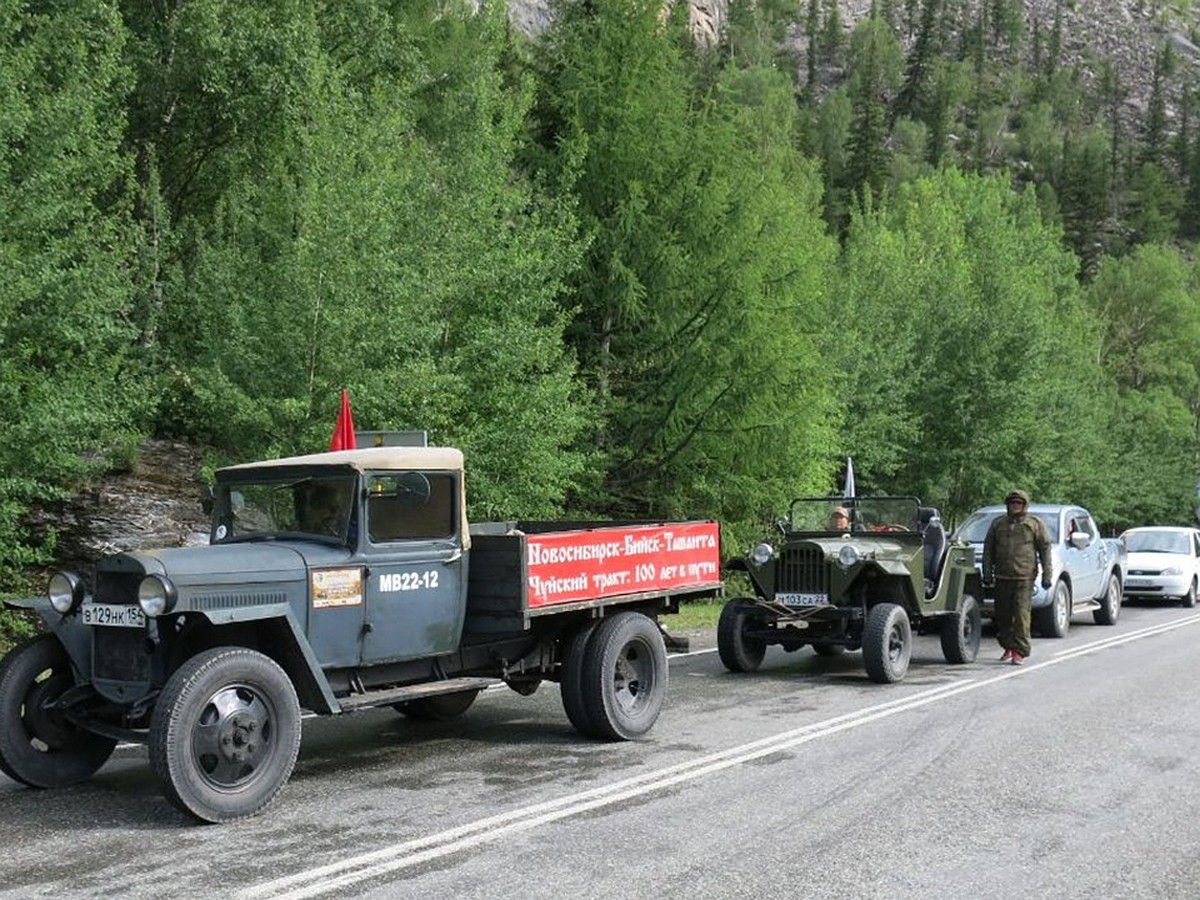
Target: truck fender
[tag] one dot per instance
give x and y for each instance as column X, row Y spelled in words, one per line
column 279, row 636
column 75, row 638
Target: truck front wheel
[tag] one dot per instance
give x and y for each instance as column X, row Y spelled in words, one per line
column 624, row 676
column 225, row 733
column 887, row 643
column 37, row 746
column 738, row 652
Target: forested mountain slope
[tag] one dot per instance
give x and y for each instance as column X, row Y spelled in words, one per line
column 630, row 273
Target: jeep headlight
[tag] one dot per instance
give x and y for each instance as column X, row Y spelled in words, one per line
column 156, row 595
column 848, row 556
column 65, row 590
column 762, row 554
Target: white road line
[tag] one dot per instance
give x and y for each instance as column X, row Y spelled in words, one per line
column 364, row 866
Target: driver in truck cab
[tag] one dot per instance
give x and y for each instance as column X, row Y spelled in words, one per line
column 839, row 519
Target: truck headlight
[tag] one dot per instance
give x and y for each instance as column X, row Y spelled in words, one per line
column 762, row 554
column 156, row 595
column 65, row 590
column 848, row 556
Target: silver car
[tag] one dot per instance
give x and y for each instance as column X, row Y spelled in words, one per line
column 1164, row 563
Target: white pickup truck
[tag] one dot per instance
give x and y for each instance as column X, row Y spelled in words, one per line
column 1088, row 570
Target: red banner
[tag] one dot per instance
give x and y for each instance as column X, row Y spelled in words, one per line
column 569, row 566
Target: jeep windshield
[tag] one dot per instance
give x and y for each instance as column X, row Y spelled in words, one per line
column 862, row 514
column 316, row 507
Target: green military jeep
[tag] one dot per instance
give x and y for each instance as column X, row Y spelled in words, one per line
column 865, row 581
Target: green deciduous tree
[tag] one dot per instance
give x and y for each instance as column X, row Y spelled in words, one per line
column 69, row 373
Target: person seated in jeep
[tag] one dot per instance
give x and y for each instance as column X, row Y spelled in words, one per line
column 839, row 519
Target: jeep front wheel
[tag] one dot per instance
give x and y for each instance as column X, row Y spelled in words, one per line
column 887, row 643
column 225, row 733
column 624, row 676
column 38, row 747
column 961, row 632
column 738, row 652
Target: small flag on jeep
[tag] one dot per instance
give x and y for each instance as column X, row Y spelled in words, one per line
column 848, row 490
column 343, row 432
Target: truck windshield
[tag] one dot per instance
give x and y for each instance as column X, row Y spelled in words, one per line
column 854, row 514
column 314, row 507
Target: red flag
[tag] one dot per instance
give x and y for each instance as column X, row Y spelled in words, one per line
column 343, row 432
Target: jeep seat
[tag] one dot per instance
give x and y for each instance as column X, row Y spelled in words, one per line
column 934, row 538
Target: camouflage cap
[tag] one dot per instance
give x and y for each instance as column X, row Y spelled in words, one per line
column 839, row 511
column 1017, row 496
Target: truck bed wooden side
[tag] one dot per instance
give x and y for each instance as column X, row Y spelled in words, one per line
column 519, row 571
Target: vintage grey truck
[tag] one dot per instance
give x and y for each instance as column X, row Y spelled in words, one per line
column 337, row 582
column 1088, row 570
column 869, row 580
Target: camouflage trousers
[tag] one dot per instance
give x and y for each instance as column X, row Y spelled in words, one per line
column 1011, row 613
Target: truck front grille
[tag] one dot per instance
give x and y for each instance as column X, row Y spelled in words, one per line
column 119, row 654
column 117, row 587
column 803, row 570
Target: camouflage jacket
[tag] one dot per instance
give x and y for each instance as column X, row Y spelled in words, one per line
column 1013, row 548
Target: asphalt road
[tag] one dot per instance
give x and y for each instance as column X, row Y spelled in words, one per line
column 1074, row 776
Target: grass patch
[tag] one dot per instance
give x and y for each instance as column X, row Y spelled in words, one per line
column 694, row 616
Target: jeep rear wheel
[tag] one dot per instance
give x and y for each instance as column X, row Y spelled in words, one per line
column 961, row 632
column 1054, row 620
column 225, row 733
column 738, row 652
column 1110, row 603
column 624, row 676
column 887, row 643
column 38, row 747
column 1188, row 600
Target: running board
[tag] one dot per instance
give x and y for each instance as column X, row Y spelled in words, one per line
column 389, row 696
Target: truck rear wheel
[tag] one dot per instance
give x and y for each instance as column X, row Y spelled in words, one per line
column 225, row 733
column 738, row 652
column 439, row 707
column 887, row 643
column 571, row 683
column 961, row 632
column 624, row 676
column 37, row 746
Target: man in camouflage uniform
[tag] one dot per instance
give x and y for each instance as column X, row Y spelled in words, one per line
column 1014, row 546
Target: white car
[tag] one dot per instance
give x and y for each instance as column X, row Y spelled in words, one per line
column 1164, row 563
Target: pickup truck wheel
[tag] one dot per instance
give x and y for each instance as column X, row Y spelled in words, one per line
column 439, row 707
column 1188, row 600
column 887, row 643
column 1110, row 603
column 1054, row 620
column 738, row 652
column 37, row 746
column 962, row 631
column 624, row 676
column 225, row 733
column 571, row 680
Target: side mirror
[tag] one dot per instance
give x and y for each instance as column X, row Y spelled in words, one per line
column 1079, row 539
column 781, row 524
column 207, row 496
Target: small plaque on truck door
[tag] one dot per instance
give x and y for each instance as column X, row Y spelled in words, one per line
column 569, row 566
column 336, row 587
